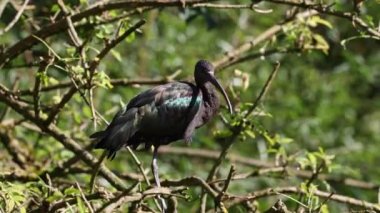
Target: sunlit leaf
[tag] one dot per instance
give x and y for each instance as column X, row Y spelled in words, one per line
column 81, row 207
column 102, row 79
column 250, row 133
column 316, row 20
column 71, row 191
column 130, row 38
column 324, row 209
column 57, row 195
column 117, row 55
column 87, row 112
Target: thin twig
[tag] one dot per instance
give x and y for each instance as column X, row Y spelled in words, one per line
column 295, row 190
column 233, row 6
column 5, row 112
column 61, row 204
column 96, row 171
column 265, row 53
column 313, row 177
column 20, row 155
column 84, row 198
column 191, row 181
column 3, row 4
column 219, row 198
column 92, row 107
column 326, row 9
column 127, row 197
column 110, row 45
column 139, row 165
column 236, row 131
column 71, row 29
column 264, row 89
column 115, row 82
column 228, row 180
column 44, row 65
column 231, row 56
column 15, row 19
column 66, row 98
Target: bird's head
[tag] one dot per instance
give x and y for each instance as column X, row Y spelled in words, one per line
column 204, row 72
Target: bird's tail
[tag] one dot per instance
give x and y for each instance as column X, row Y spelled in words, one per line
column 98, row 138
column 117, row 134
column 101, row 142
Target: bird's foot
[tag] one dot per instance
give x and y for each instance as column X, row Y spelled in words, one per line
column 188, row 140
column 164, row 207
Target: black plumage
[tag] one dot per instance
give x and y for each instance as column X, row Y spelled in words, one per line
column 164, row 114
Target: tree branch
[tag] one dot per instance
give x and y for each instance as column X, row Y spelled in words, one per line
column 66, row 141
column 15, row 19
column 295, row 190
column 62, row 24
column 231, row 57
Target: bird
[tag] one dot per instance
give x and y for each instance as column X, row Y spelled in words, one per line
column 164, row 114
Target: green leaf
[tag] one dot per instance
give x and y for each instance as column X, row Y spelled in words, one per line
column 22, row 210
column 113, row 13
column 70, row 51
column 81, row 207
column 269, row 139
column 321, row 43
column 304, row 187
column 130, row 38
column 77, row 118
column 71, row 191
column 83, row 2
column 317, row 20
column 55, row 8
column 43, row 78
column 53, row 81
column 283, row 140
column 222, row 133
column 57, row 195
column 121, row 103
column 56, row 99
column 313, row 160
column 87, row 112
column 18, row 198
column 100, row 34
column 116, row 54
column 77, row 69
column 250, row 134
column 103, row 80
column 10, row 204
column 324, row 209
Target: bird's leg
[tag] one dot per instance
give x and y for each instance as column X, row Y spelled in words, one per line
column 157, row 178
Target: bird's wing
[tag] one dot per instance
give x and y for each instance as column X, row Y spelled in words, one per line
column 164, row 95
column 156, row 111
column 167, row 109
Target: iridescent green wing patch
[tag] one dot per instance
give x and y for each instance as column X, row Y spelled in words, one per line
column 182, row 101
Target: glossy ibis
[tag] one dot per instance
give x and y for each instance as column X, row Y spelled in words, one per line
column 164, row 114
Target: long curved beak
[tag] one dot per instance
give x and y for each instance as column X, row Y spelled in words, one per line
column 220, row 88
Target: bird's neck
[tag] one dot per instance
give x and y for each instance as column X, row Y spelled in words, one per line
column 208, row 92
column 210, row 101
